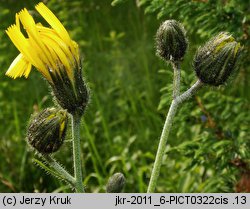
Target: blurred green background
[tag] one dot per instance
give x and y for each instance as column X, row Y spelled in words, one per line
column 209, row 146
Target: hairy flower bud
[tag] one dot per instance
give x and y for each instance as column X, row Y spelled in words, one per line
column 115, row 183
column 171, row 41
column 47, row 129
column 216, row 60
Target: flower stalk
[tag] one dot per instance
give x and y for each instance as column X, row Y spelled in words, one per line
column 162, row 146
column 76, row 121
column 57, row 167
column 176, row 102
column 177, row 79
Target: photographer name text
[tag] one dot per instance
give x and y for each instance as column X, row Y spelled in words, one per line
column 41, row 201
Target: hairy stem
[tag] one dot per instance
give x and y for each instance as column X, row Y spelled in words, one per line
column 76, row 119
column 63, row 173
column 161, row 147
column 190, row 92
column 177, row 79
column 178, row 100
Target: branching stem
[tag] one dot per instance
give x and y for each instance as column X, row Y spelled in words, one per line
column 177, row 100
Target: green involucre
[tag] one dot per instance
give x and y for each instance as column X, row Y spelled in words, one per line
column 216, row 60
column 47, row 129
column 72, row 96
column 171, row 41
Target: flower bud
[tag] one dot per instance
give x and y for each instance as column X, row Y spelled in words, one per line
column 216, row 60
column 47, row 129
column 171, row 41
column 115, row 183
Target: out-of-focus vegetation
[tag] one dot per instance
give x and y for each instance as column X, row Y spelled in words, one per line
column 209, row 146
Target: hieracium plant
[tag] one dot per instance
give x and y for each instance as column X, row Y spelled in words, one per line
column 56, row 56
column 213, row 64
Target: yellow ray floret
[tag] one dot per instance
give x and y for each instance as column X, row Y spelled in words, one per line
column 24, row 46
column 50, row 50
column 19, row 67
column 54, row 23
column 35, row 38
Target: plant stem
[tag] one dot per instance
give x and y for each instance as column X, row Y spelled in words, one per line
column 177, row 79
column 166, row 129
column 61, row 171
column 76, row 119
column 190, row 92
column 161, row 147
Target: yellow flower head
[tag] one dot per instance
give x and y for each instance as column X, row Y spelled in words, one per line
column 53, row 53
column 50, row 50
